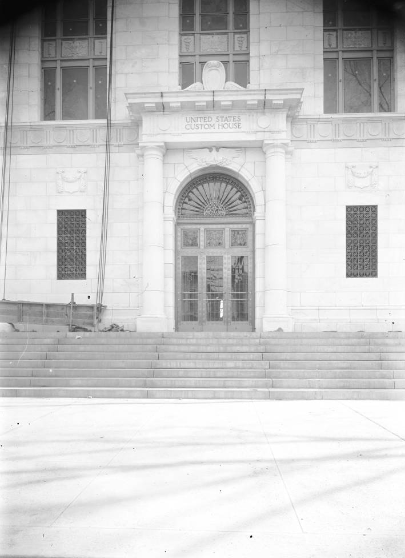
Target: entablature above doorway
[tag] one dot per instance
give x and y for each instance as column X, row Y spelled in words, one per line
column 218, row 117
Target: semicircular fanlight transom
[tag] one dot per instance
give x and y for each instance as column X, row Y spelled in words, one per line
column 214, row 196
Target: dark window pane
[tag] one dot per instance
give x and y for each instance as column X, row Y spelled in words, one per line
column 49, row 29
column 241, row 73
column 329, row 19
column 75, row 94
column 240, row 21
column 214, row 22
column 75, row 28
column 357, row 85
column 187, row 23
column 384, row 85
column 240, row 6
column 100, row 27
column 187, row 7
column 214, row 6
column 330, row 86
column 189, row 288
column 356, row 13
column 49, row 93
column 187, row 75
column 100, row 89
column 384, row 19
column 50, row 11
column 75, row 9
column 100, row 9
column 330, row 13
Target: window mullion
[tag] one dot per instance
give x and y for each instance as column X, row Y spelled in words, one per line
column 91, row 90
column 58, row 96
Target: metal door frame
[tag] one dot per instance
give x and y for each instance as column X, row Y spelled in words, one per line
column 226, row 251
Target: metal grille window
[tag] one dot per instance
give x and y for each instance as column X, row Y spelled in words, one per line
column 358, row 57
column 74, row 60
column 361, row 241
column 72, row 244
column 214, row 30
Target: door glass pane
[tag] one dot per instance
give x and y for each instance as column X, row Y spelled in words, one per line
column 75, row 94
column 241, row 73
column 384, row 85
column 330, row 86
column 215, row 289
column 239, row 289
column 49, row 93
column 214, row 22
column 100, row 77
column 189, row 289
column 357, row 85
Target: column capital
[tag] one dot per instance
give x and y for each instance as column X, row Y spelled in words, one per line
column 152, row 149
column 276, row 147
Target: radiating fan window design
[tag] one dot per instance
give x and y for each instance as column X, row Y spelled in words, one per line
column 215, row 196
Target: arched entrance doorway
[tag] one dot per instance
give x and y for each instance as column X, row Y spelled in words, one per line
column 214, row 256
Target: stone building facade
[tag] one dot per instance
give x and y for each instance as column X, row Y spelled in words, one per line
column 257, row 164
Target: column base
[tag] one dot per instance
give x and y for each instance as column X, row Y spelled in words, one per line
column 155, row 324
column 273, row 323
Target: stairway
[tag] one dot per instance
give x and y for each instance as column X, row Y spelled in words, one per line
column 203, row 365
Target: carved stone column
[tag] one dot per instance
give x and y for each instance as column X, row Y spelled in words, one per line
column 153, row 293
column 275, row 277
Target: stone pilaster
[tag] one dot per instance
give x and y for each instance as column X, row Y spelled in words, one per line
column 153, row 293
column 275, row 279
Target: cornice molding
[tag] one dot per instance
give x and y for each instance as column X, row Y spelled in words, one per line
column 167, row 102
column 68, row 135
column 347, row 128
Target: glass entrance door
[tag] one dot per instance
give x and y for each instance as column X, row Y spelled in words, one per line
column 215, row 278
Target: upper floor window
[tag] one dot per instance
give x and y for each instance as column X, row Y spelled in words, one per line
column 214, row 30
column 74, row 65
column 358, row 57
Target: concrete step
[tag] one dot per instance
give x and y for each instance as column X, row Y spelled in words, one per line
column 202, row 348
column 221, row 383
column 197, row 383
column 207, row 393
column 202, row 373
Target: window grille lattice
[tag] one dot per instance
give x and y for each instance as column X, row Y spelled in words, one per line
column 361, row 241
column 72, row 244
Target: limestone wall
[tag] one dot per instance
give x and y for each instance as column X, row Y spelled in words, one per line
column 318, row 192
column 287, row 48
column 35, row 197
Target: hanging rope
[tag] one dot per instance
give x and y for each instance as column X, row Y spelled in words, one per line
column 6, row 176
column 106, row 189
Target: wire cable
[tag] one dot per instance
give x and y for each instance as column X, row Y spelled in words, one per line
column 106, row 187
column 8, row 129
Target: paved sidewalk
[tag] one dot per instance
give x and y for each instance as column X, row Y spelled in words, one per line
column 109, row 478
